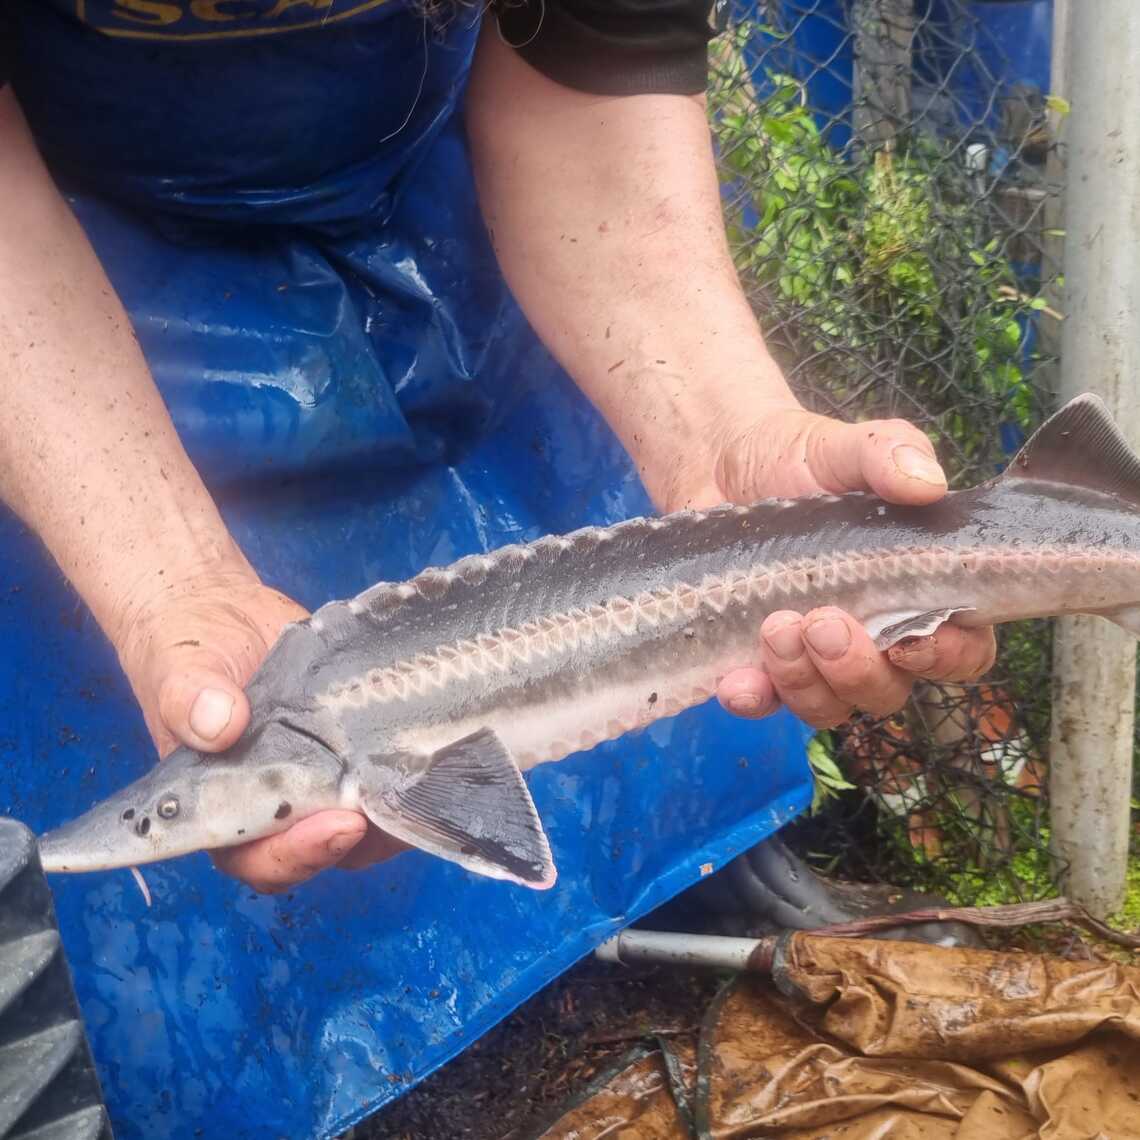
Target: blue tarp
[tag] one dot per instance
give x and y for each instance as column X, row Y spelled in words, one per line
column 220, row 1013
column 364, row 400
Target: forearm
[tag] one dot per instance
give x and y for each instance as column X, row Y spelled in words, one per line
column 88, row 455
column 605, row 216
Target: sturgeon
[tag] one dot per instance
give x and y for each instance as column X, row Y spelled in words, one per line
column 421, row 704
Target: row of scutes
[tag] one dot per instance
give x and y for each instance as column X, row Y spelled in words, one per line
column 579, row 627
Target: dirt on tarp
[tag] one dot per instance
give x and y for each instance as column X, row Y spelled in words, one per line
column 559, row 1042
column 861, row 1040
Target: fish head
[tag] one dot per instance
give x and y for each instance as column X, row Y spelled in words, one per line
column 195, row 801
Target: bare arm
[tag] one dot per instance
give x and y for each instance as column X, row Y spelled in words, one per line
column 90, row 460
column 88, row 455
column 605, row 216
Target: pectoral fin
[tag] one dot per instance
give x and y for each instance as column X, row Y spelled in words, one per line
column 472, row 807
column 890, row 628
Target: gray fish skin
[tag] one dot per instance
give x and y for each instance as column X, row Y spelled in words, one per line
column 419, row 703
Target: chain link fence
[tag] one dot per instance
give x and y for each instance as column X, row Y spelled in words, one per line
column 891, row 188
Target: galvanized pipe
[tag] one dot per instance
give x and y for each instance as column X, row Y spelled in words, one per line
column 1094, row 663
column 706, row 951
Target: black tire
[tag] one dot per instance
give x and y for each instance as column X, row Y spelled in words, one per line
column 49, row 1089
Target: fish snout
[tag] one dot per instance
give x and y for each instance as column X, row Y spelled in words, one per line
column 151, row 819
column 100, row 840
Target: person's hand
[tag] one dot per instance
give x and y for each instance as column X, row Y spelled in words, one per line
column 188, row 656
column 823, row 665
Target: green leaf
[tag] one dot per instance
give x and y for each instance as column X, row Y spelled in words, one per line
column 779, row 130
column 1057, row 104
column 829, row 780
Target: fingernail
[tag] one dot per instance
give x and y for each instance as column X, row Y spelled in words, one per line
column 747, row 704
column 829, row 637
column 918, row 465
column 785, row 641
column 210, row 713
column 915, row 654
column 342, row 843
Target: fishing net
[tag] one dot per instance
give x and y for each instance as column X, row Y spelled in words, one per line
column 890, row 182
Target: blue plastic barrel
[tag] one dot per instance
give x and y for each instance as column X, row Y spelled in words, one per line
column 972, row 51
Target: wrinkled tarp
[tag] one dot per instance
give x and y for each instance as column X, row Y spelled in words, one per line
column 364, row 400
column 863, row 1040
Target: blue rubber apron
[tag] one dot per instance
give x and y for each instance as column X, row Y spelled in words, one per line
column 291, row 222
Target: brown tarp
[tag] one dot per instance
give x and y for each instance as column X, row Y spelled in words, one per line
column 649, row 1097
column 865, row 1040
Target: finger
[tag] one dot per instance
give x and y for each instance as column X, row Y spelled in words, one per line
column 951, row 654
column 794, row 674
column 282, row 861
column 890, row 457
column 748, row 693
column 375, row 847
column 853, row 669
column 899, row 464
column 202, row 707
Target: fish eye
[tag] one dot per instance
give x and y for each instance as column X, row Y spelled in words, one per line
column 167, row 807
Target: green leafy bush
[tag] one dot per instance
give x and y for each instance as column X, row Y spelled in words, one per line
column 871, row 271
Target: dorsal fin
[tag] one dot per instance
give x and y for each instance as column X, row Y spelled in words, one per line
column 1080, row 446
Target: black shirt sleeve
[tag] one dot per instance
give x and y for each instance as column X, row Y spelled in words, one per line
column 616, row 47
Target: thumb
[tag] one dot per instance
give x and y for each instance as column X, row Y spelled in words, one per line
column 201, row 706
column 892, row 458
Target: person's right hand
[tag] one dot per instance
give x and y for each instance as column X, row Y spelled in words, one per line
column 97, row 471
column 188, row 657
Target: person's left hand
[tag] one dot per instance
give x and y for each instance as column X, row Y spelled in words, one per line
column 823, row 665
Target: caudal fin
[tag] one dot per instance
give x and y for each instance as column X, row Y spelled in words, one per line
column 472, row 807
column 1081, row 446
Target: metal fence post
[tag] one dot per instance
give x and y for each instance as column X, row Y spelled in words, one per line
column 1095, row 663
column 881, row 95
